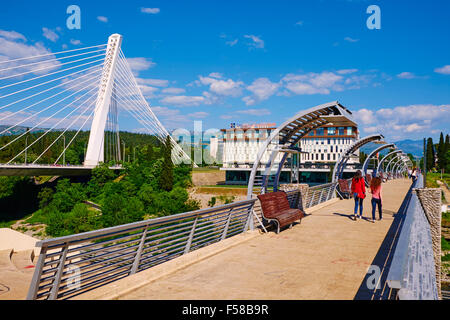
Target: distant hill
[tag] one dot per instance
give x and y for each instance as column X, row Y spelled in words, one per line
column 17, row 130
column 411, row 146
column 415, row 147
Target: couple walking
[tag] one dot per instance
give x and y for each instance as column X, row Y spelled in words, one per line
column 359, row 194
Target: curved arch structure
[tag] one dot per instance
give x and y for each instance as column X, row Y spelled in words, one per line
column 345, row 156
column 287, row 135
column 393, row 160
column 380, row 165
column 402, row 161
column 374, row 152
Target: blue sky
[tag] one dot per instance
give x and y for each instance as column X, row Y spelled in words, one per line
column 264, row 61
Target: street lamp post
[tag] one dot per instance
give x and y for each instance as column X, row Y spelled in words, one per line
column 26, row 147
column 64, row 151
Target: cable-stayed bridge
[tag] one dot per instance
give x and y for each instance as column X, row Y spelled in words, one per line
column 69, row 93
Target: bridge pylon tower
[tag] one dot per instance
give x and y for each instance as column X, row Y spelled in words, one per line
column 95, row 149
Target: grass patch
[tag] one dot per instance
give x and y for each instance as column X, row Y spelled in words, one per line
column 445, row 245
column 432, row 177
column 446, row 258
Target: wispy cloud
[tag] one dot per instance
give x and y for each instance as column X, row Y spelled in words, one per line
column 406, row 75
column 50, row 34
column 443, row 70
column 150, row 10
column 102, row 19
column 351, row 39
column 256, row 42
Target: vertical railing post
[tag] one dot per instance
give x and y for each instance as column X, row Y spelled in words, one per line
column 224, row 234
column 59, row 272
column 312, row 198
column 34, row 286
column 321, row 195
column 137, row 257
column 191, row 236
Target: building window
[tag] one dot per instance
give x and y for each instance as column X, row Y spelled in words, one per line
column 331, row 131
column 328, row 141
column 331, row 149
column 341, row 131
column 321, row 156
column 349, row 131
column 320, row 131
column 311, row 133
column 328, row 156
column 334, row 156
column 317, row 156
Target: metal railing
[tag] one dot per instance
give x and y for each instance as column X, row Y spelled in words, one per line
column 68, row 266
column 412, row 273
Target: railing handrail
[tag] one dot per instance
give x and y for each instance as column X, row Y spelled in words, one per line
column 139, row 224
column 397, row 277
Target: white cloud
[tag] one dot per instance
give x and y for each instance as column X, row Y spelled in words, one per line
column 50, row 34
column 231, row 43
column 299, row 23
column 102, row 19
column 184, row 101
column 402, row 122
column 148, row 91
column 406, row 75
column 12, row 35
column 140, row 64
column 226, row 116
column 199, row 114
column 351, row 39
column 75, row 42
column 443, row 70
column 312, row 83
column 222, row 87
column 262, row 89
column 13, row 46
column 347, row 71
column 153, row 82
column 216, row 75
column 174, row 90
column 256, row 42
column 150, row 10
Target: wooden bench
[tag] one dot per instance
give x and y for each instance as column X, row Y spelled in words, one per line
column 344, row 189
column 275, row 208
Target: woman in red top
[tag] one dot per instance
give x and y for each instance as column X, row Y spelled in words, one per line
column 359, row 192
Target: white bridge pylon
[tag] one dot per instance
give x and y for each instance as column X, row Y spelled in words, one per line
column 56, row 95
column 111, row 79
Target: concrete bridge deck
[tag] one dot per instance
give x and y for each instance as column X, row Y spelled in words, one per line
column 325, row 257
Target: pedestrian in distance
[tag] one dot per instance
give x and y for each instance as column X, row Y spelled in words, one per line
column 375, row 189
column 359, row 193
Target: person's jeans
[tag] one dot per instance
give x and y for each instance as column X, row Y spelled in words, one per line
column 376, row 201
column 358, row 202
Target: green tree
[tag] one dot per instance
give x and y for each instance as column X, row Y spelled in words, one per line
column 45, row 196
column 430, row 157
column 166, row 176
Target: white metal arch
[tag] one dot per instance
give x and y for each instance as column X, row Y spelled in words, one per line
column 393, row 160
column 345, row 156
column 374, row 152
column 380, row 165
column 287, row 135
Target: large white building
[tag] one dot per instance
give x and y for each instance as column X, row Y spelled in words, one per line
column 321, row 148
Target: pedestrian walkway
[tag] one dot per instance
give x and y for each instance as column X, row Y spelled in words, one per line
column 325, row 257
